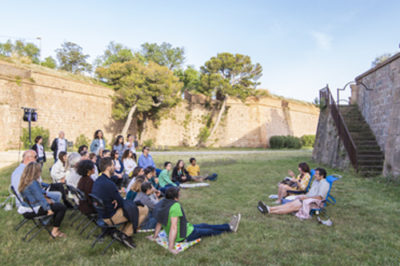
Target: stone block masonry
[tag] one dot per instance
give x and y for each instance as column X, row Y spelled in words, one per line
column 78, row 107
column 380, row 107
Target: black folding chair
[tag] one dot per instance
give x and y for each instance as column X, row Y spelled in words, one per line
column 76, row 215
column 91, row 218
column 40, row 221
column 107, row 229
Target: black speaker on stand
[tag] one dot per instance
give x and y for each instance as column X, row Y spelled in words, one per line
column 30, row 115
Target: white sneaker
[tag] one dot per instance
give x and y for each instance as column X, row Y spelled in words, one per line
column 234, row 223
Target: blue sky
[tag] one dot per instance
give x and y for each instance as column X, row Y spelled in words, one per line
column 301, row 45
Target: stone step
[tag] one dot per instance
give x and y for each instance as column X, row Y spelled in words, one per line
column 365, row 142
column 371, row 156
column 370, row 173
column 370, row 162
column 369, row 148
column 364, row 153
column 368, row 165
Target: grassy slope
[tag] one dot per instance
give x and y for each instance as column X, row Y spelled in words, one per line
column 365, row 230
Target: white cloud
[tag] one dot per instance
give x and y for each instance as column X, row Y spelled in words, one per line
column 322, row 40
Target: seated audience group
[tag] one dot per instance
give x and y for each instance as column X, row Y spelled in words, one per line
column 135, row 193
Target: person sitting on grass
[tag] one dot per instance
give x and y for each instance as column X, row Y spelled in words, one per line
column 136, row 172
column 148, row 198
column 129, row 162
column 86, row 169
column 145, row 158
column 164, row 179
column 122, row 178
column 150, row 174
column 317, row 193
column 181, row 175
column 171, row 217
column 135, row 187
column 29, row 187
column 194, row 171
column 297, row 184
column 116, row 208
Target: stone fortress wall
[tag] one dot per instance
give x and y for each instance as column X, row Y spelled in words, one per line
column 80, row 107
column 380, row 106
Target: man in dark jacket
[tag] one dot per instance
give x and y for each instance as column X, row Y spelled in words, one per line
column 117, row 209
column 58, row 145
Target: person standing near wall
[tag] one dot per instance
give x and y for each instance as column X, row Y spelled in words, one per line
column 98, row 142
column 39, row 149
column 59, row 144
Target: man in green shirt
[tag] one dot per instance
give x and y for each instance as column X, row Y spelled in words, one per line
column 171, row 217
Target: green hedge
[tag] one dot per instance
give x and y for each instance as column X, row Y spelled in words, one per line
column 284, row 142
column 308, row 140
column 35, row 131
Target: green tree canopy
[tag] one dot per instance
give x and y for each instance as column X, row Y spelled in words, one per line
column 140, row 87
column 21, row 49
column 229, row 75
column 115, row 53
column 6, row 48
column 164, row 54
column 71, row 58
column 190, row 78
column 49, row 62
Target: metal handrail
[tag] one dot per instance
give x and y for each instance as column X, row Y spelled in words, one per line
column 344, row 133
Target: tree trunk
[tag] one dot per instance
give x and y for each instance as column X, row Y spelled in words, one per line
column 221, row 111
column 128, row 121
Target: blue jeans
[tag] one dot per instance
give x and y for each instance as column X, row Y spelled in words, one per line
column 164, row 189
column 201, row 230
column 149, row 223
column 54, row 195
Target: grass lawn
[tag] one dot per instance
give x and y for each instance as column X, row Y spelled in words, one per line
column 365, row 231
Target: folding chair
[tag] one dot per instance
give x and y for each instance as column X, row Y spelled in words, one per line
column 297, row 192
column 329, row 198
column 91, row 218
column 40, row 222
column 9, row 201
column 75, row 212
column 107, row 230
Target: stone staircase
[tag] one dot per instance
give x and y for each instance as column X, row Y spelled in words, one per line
column 370, row 158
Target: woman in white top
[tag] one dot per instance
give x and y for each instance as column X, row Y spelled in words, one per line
column 129, row 162
column 72, row 177
column 130, row 144
column 58, row 172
